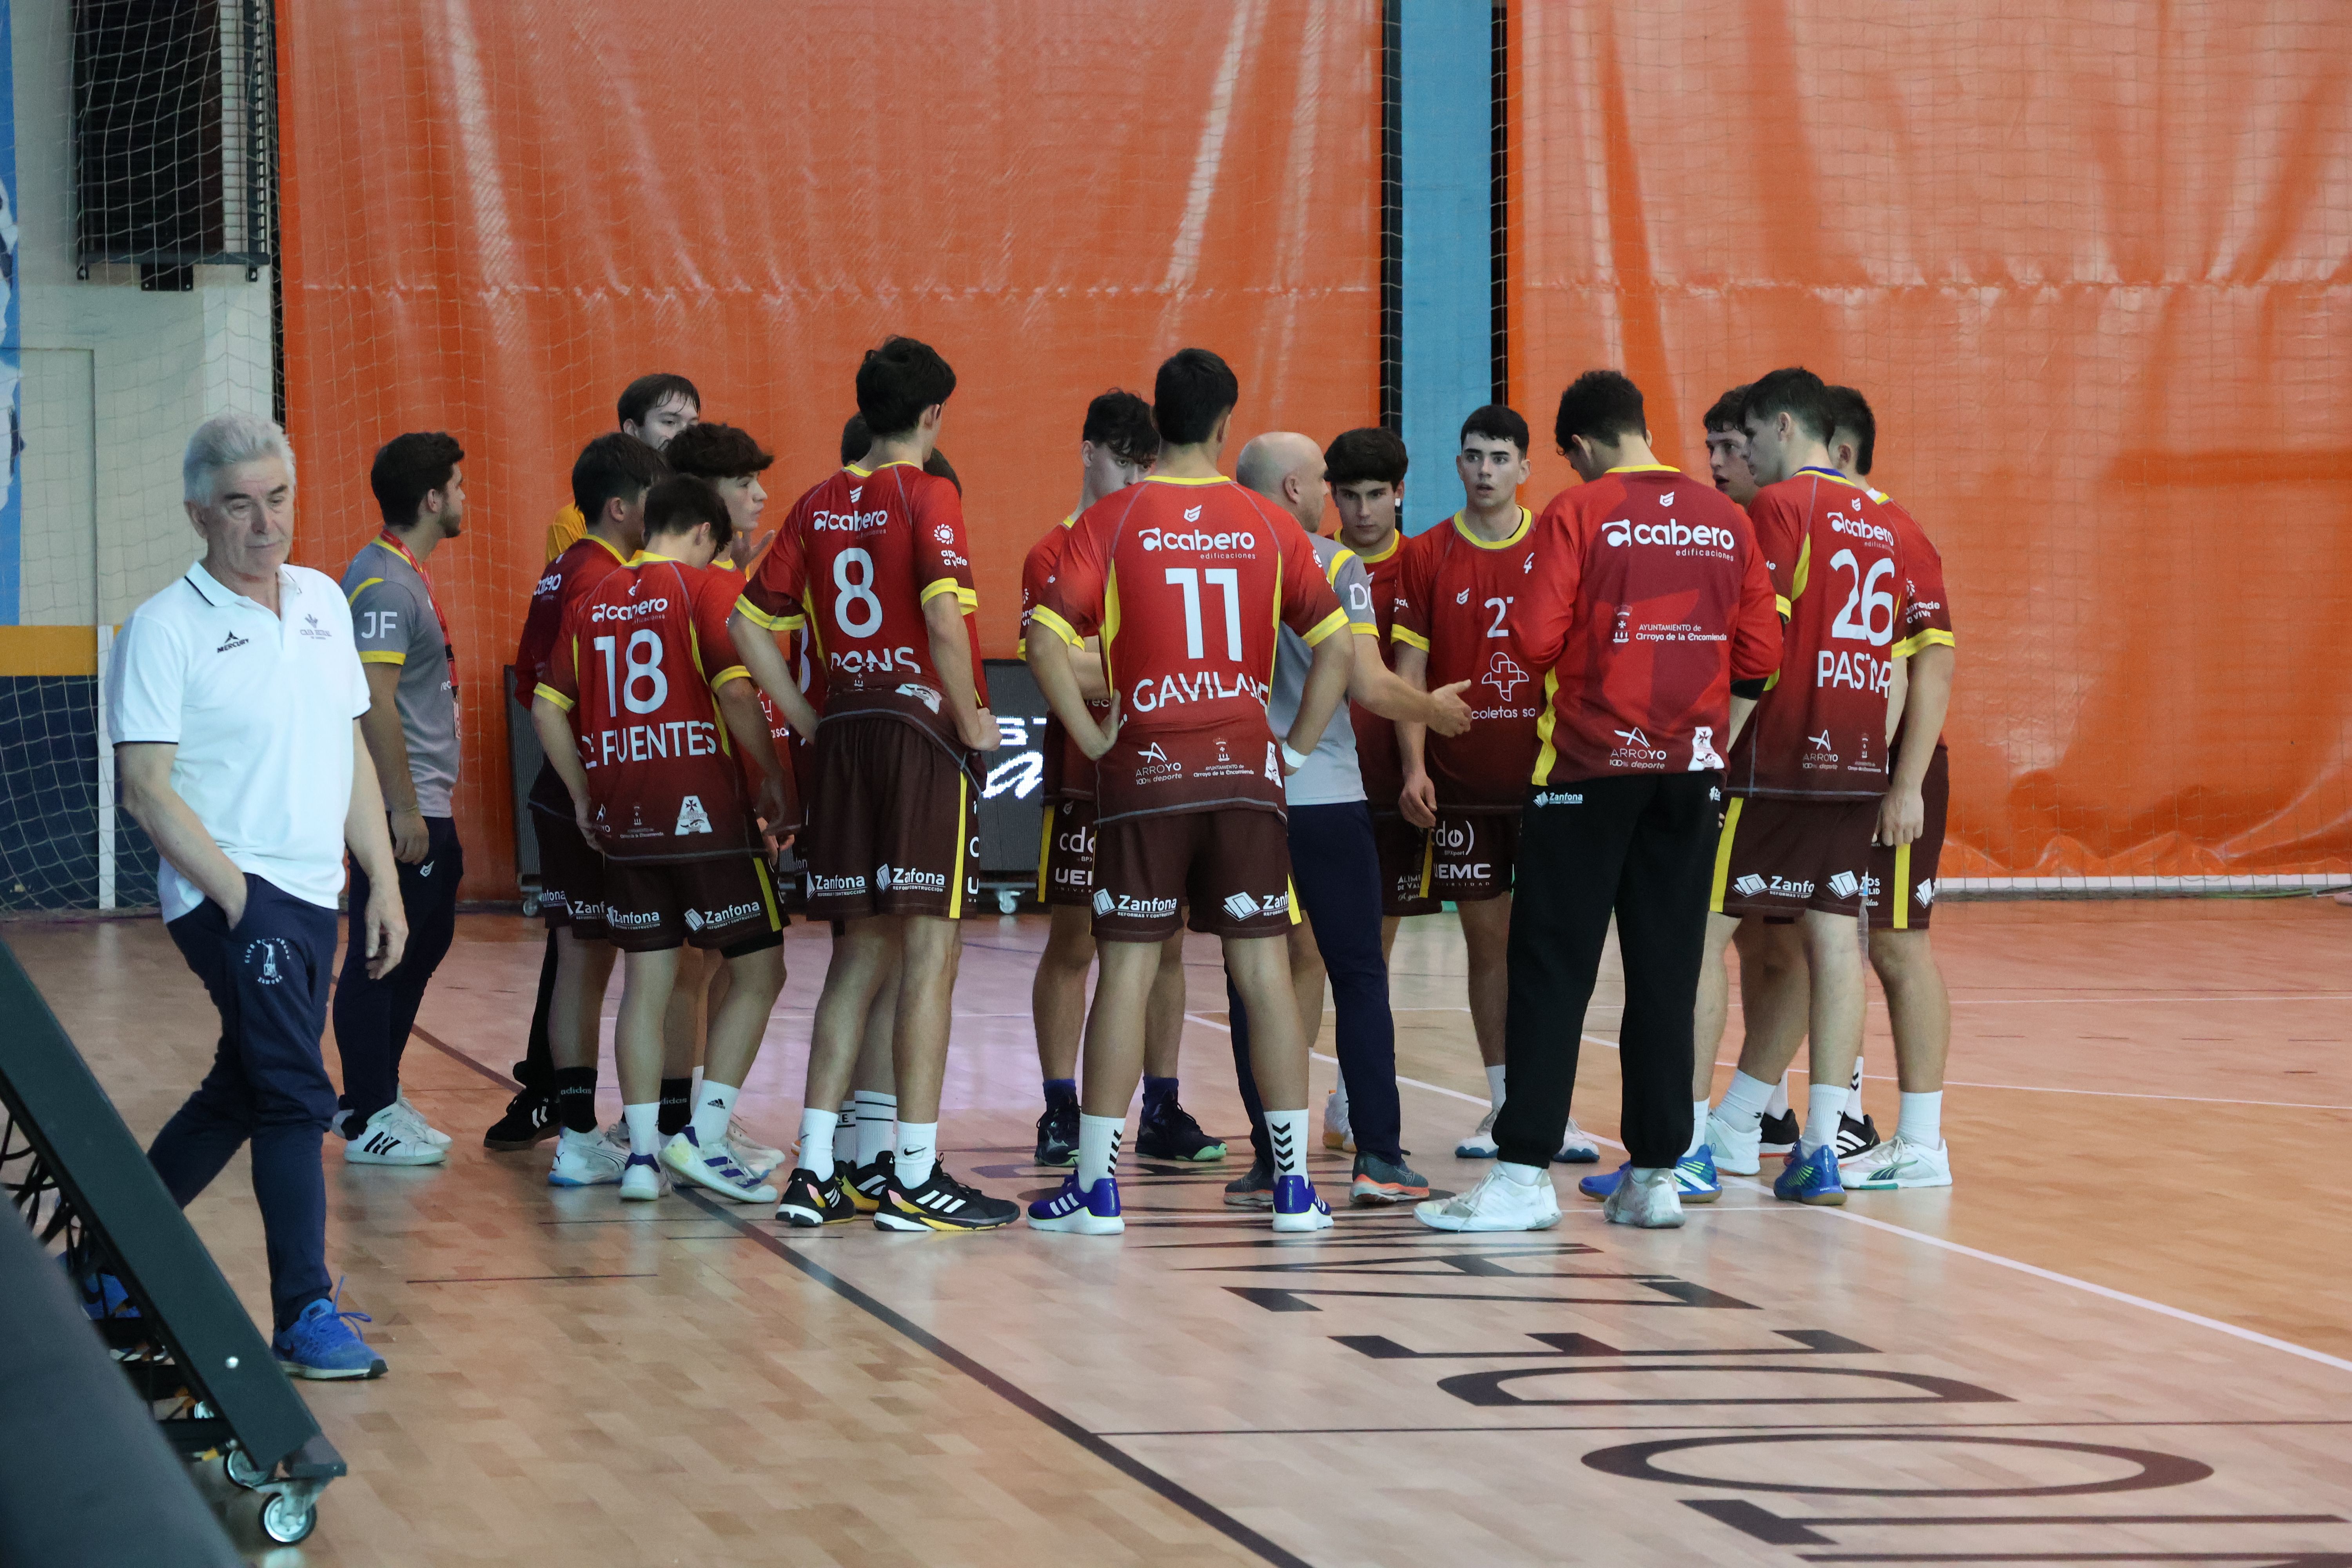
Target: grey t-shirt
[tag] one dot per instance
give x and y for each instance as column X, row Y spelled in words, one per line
column 394, row 623
column 1330, row 776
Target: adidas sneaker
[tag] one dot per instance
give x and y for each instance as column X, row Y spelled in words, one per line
column 714, row 1168
column 1079, row 1211
column 941, row 1203
column 391, row 1138
column 1856, row 1135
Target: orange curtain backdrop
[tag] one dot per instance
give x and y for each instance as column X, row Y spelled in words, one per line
column 499, row 211
column 2090, row 264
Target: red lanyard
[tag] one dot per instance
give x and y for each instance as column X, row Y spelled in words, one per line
column 448, row 646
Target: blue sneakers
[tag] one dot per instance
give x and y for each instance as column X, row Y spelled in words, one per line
column 321, row 1344
column 102, row 1294
column 1809, row 1176
column 1295, row 1206
column 1080, row 1211
column 1695, row 1181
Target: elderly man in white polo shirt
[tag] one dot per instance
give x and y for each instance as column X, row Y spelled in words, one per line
column 234, row 699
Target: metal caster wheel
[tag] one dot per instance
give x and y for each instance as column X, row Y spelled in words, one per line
column 243, row 1469
column 286, row 1521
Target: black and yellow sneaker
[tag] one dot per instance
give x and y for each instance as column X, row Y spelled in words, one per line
column 867, row 1182
column 1169, row 1132
column 941, row 1203
column 809, row 1202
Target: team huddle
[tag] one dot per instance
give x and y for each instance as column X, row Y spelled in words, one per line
column 1705, row 715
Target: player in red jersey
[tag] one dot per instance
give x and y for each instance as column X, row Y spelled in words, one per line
column 640, row 707
column 1651, row 623
column 874, row 561
column 1807, row 778
column 1184, row 577
column 1116, row 446
column 1454, row 589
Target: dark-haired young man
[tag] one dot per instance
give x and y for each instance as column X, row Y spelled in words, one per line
column 1807, row 777
column 875, row 557
column 1654, row 622
column 654, row 409
column 1117, row 445
column 1185, row 578
column 411, row 729
column 1455, row 587
column 1727, row 448
column 609, row 482
column 640, row 708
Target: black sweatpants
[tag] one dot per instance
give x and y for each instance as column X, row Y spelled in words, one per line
column 1641, row 848
column 373, row 1017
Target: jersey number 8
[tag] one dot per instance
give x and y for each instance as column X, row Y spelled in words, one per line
column 858, row 612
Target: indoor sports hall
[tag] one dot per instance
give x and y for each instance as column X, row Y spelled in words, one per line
column 316, row 318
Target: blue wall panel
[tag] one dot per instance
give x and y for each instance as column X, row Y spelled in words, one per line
column 1445, row 59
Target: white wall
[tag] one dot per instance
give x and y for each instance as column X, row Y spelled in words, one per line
column 115, row 378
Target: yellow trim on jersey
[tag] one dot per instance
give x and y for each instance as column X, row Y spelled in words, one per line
column 1339, row 558
column 1782, row 605
column 1803, row 574
column 607, row 547
column 1369, row 631
column 1179, row 479
column 1643, row 468
column 1428, row 861
column 1398, row 634
column 732, row 672
column 1110, row 632
column 1932, row 638
column 760, row 617
column 963, row 839
column 1292, row 883
column 383, row 657
column 1722, row 855
column 768, row 893
column 869, row 473
column 1881, row 497
column 553, row 696
column 1832, row 474
column 353, row 597
column 1326, row 626
column 1045, row 850
column 1041, row 617
column 946, row 586
column 1902, row 889
column 1545, row 755
column 1461, row 526
column 1396, row 543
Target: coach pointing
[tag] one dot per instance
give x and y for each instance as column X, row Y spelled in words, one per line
column 235, row 698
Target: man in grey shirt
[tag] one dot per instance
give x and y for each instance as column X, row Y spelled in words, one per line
column 411, row 728
column 1334, row 863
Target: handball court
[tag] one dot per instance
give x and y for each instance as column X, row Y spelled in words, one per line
column 2125, row 1336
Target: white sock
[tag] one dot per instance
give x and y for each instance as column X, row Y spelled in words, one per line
column 877, row 1123
column 1778, row 1104
column 818, row 1128
column 1921, row 1120
column 714, row 1103
column 1698, row 1128
column 694, row 1087
column 1525, row 1176
column 919, row 1152
column 1495, row 1086
column 1854, row 1090
column 1743, row 1102
column 1098, row 1138
column 1824, row 1104
column 1287, row 1129
column 644, row 1126
column 845, row 1133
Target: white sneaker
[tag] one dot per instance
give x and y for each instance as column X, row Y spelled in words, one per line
column 713, row 1168
column 1645, row 1198
column 433, row 1135
column 642, row 1180
column 1895, row 1164
column 754, row 1156
column 1479, row 1145
column 587, row 1160
column 1577, row 1147
column 1336, row 1133
column 391, row 1139
column 1737, row 1153
column 1500, row 1202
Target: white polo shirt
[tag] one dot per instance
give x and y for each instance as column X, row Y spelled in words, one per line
column 261, row 708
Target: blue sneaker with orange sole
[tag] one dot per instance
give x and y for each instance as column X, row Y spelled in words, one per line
column 1811, row 1176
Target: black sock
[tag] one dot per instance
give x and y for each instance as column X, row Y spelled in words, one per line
column 677, row 1106
column 575, row 1098
column 1158, row 1092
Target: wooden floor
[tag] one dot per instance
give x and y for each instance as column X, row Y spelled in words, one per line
column 2125, row 1337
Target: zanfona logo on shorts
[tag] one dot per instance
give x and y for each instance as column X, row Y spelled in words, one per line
column 908, row 879
column 1748, row 887
column 1133, row 909
column 1559, row 798
column 697, row 919
column 1245, row 906
column 821, row 885
column 633, row 919
column 1104, row 903
column 693, row 920
column 1844, row 885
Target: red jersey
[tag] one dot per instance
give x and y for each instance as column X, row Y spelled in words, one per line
column 1820, row 732
column 636, row 666
column 1069, row 771
column 1926, row 608
column 1377, row 757
column 1454, row 594
column 1648, row 600
column 1186, row 581
column 586, row 563
column 779, row 730
column 855, row 561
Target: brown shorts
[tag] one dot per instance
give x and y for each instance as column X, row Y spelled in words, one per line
column 1784, row 856
column 1408, row 867
column 1903, row 879
column 892, row 822
column 728, row 904
column 570, row 878
column 1475, row 854
column 1065, row 854
column 1232, row 866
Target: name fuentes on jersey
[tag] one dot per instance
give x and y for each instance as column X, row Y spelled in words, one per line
column 647, row 742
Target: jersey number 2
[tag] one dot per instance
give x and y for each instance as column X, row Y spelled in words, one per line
column 1866, row 596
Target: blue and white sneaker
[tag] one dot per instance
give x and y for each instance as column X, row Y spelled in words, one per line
column 641, row 1179
column 1695, row 1181
column 1295, row 1206
column 321, row 1344
column 1811, row 1176
column 1080, row 1211
column 714, row 1168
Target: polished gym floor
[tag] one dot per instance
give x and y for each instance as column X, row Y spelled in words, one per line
column 2124, row 1336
